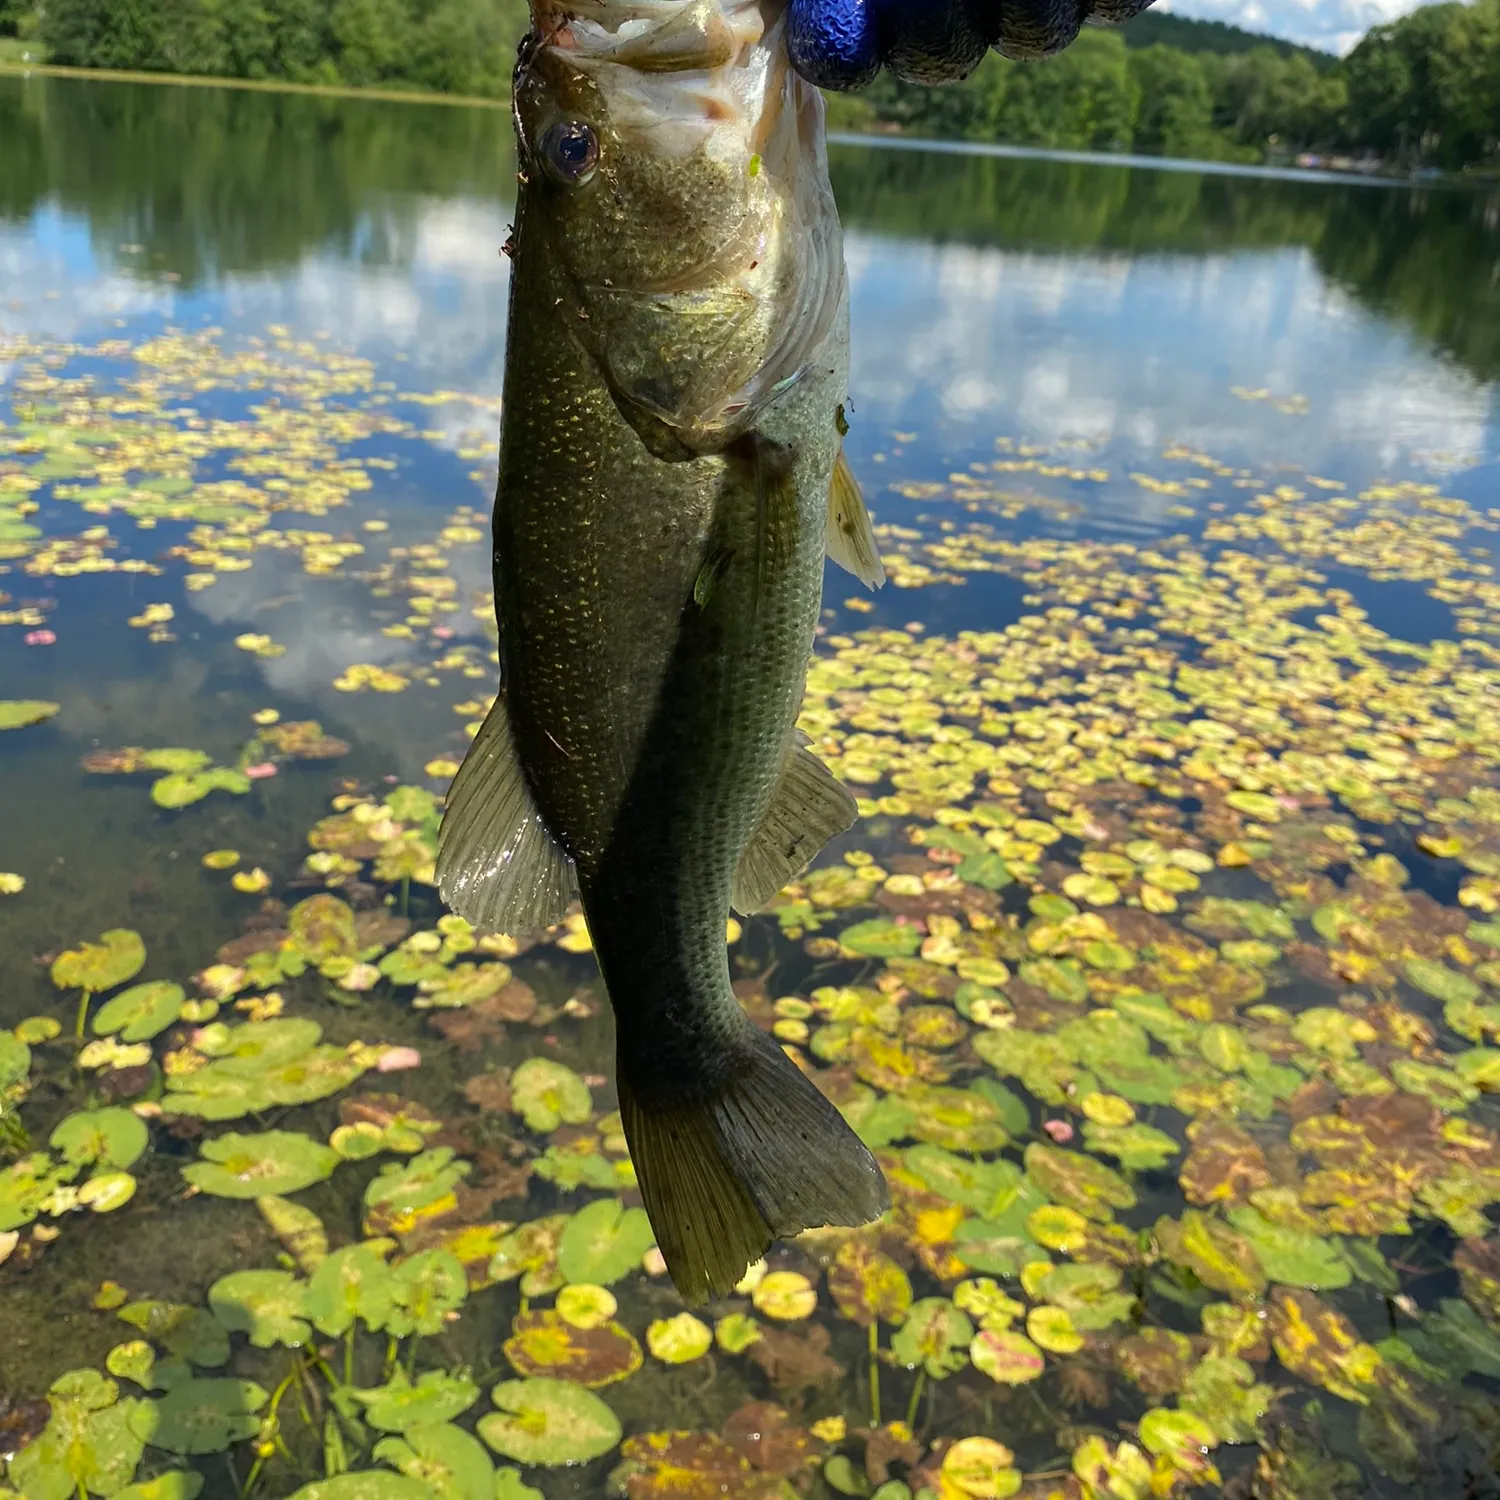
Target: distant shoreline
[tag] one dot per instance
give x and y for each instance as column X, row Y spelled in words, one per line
column 258, row 85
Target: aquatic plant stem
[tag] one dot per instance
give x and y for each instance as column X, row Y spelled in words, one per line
column 916, row 1396
column 392, row 1353
column 83, row 1012
column 874, row 1372
column 349, row 1355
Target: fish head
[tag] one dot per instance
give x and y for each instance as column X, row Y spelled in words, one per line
column 675, row 165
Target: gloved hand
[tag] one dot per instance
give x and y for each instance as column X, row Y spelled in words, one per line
column 843, row 44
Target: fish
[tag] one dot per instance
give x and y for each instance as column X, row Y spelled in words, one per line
column 671, row 479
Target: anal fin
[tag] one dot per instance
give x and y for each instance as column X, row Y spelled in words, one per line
column 498, row 865
column 809, row 807
column 851, row 538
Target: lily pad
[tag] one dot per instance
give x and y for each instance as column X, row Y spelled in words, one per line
column 21, row 713
column 141, row 1012
column 546, row 1344
column 436, row 1398
column 866, row 1284
column 110, row 1137
column 117, row 956
column 452, row 1463
column 1290, row 1256
column 1007, row 1357
column 365, row 1484
column 936, row 1335
column 603, row 1241
column 547, row 1094
column 425, row 1288
column 881, row 938
column 267, row 1305
column 175, row 1484
column 982, row 1468
column 88, row 1443
column 678, row 1340
column 403, row 1190
column 252, row 1166
column 183, row 788
column 1078, row 1182
column 200, row 1416
column 549, row 1423
column 352, row 1282
column 186, row 1331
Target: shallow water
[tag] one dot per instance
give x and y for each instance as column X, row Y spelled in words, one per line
column 1166, row 952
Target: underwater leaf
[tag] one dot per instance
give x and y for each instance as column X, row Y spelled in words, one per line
column 267, row 1305
column 544, row 1343
column 604, row 1241
column 866, row 1284
column 1468, row 1342
column 936, row 1335
column 1223, row 1391
column 1317, row 1342
column 323, row 927
column 141, row 1012
column 787, row 1296
column 1219, row 1256
column 252, row 1166
column 1439, row 981
column 191, row 1333
column 452, row 1463
column 548, row 1423
column 547, row 1094
column 403, row 1192
column 436, row 1398
column 530, row 1252
column 881, row 938
column 111, row 1137
column 1290, row 1256
column 1078, row 1181
column 117, row 956
column 1183, row 1440
column 200, row 1416
column 351, row 1282
column 15, row 1059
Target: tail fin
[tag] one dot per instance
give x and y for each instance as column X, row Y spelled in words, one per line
column 761, row 1156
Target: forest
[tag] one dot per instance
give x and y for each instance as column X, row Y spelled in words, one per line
column 1419, row 94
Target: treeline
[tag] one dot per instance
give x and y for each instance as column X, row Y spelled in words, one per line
column 1422, row 92
column 448, row 46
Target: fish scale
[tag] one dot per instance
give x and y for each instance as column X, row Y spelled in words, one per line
column 670, row 481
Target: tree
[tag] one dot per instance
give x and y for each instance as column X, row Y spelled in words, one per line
column 103, row 33
column 1176, row 109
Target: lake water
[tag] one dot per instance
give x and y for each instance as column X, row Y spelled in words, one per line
column 1163, row 969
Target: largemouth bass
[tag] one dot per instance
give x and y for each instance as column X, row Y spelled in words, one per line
column 671, row 475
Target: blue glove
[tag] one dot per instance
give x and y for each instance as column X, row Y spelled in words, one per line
column 843, row 44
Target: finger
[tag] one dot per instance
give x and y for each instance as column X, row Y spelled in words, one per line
column 934, row 41
column 834, row 44
column 1037, row 28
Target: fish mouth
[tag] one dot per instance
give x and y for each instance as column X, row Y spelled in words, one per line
column 676, row 75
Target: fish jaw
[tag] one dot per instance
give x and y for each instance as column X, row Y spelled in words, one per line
column 705, row 259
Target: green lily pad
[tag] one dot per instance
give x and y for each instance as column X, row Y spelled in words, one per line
column 256, row 1046
column 425, row 1288
column 183, row 788
column 211, row 1094
column 1219, row 1256
column 250, row 1166
column 200, row 1416
column 604, row 1241
column 15, row 1059
column 265, row 1304
column 881, row 938
column 175, row 1484
column 987, row 1188
column 26, row 1184
column 117, row 956
column 353, row 1282
column 110, row 1137
column 510, row 1486
column 366, row 1484
column 401, row 1188
column 936, row 1335
column 141, row 1012
column 88, row 1443
column 452, row 1463
column 1180, row 1437
column 549, row 1423
column 1222, row 1390
column 21, row 713
column 1439, row 981
column 323, row 927
column 1137, row 1147
column 547, row 1094
column 436, row 1398
column 986, row 869
column 1290, row 1256
column 188, row 1332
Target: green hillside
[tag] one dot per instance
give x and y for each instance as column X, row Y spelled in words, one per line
column 1189, row 35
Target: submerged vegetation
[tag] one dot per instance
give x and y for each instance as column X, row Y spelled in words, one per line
column 1163, row 973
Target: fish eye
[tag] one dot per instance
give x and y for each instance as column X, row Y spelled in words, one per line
column 570, row 152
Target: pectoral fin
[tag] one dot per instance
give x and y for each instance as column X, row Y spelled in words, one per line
column 851, row 538
column 809, row 807
column 498, row 865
